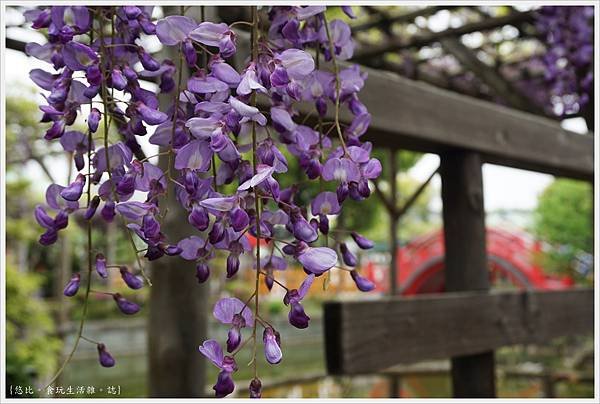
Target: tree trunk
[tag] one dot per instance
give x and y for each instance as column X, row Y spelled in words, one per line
column 178, row 304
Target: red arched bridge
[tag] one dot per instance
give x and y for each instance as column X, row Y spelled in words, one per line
column 511, row 258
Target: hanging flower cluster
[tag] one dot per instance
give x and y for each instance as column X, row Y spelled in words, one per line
column 223, row 126
column 569, row 69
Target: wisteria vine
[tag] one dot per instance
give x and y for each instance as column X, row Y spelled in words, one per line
column 222, row 126
column 568, row 33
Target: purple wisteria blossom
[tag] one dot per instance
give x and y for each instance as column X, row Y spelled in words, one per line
column 217, row 35
column 297, row 316
column 104, row 357
column 212, row 350
column 126, row 306
column 73, row 285
column 272, row 344
column 101, row 265
column 233, row 311
column 232, row 136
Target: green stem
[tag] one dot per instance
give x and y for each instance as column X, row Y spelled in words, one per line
column 174, row 127
column 90, row 261
column 320, row 126
column 336, row 71
column 106, row 123
column 256, row 197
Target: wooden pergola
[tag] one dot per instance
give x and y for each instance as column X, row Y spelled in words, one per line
column 400, row 40
column 469, row 322
column 424, row 110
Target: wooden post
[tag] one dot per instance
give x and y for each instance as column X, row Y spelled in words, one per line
column 466, row 259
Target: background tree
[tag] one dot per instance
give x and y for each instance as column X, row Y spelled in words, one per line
column 29, row 330
column 565, row 216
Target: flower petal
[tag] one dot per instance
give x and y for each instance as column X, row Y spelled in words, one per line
column 195, row 155
column 318, row 259
column 213, row 351
column 263, row 172
column 227, row 307
column 174, row 29
column 189, row 247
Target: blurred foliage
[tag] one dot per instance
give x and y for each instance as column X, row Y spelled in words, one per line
column 29, row 330
column 22, row 124
column 416, row 221
column 26, row 148
column 19, row 208
column 564, row 218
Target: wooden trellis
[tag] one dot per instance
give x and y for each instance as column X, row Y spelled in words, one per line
column 469, row 322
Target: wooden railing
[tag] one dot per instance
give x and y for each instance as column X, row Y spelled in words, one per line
column 469, row 323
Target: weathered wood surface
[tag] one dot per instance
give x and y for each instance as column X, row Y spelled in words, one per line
column 464, row 223
column 413, row 115
column 466, row 260
column 369, row 336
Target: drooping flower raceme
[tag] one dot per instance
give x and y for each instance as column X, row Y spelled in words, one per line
column 214, row 133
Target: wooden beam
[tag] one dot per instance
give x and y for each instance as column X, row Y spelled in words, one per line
column 15, row 44
column 368, row 336
column 426, row 39
column 466, row 264
column 394, row 219
column 413, row 115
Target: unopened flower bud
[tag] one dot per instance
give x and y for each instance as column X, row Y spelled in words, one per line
column 101, row 266
column 73, row 285
column 130, row 279
column 255, row 388
column 202, row 272
column 105, row 358
column 125, row 305
column 91, row 210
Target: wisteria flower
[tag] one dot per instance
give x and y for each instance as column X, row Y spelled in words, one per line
column 317, row 260
column 73, row 285
column 293, row 297
column 228, row 153
column 217, row 35
column 78, row 56
column 212, row 350
column 272, row 344
column 231, row 310
column 248, row 112
column 174, row 29
column 196, row 155
column 326, row 203
column 362, row 283
column 104, row 357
